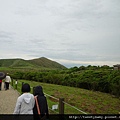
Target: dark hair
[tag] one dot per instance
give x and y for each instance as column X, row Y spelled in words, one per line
column 25, row 87
column 38, row 90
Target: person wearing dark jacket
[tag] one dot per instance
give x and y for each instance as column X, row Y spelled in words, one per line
column 42, row 103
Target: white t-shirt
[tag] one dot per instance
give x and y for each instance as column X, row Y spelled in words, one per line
column 7, row 79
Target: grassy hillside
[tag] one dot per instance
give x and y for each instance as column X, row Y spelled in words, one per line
column 44, row 62
column 88, row 101
column 14, row 63
column 34, row 63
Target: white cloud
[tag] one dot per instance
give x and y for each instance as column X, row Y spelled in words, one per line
column 71, row 30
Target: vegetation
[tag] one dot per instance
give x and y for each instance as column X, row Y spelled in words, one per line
column 91, row 102
column 41, row 63
column 94, row 78
column 97, row 79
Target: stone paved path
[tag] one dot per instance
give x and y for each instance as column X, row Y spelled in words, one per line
column 8, row 100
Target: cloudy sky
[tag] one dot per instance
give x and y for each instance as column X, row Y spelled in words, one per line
column 70, row 32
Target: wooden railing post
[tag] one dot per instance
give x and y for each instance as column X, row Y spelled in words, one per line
column 12, row 82
column 16, row 82
column 61, row 106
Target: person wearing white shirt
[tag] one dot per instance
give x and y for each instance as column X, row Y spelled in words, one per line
column 7, row 81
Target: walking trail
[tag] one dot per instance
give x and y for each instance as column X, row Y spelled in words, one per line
column 8, row 100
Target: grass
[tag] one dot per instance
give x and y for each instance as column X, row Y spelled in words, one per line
column 88, row 101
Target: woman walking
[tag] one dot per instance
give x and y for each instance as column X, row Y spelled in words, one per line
column 7, row 81
column 41, row 108
column 25, row 102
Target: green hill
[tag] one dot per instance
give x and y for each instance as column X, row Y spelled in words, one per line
column 44, row 62
column 13, row 63
column 36, row 63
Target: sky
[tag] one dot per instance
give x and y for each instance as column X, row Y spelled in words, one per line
column 70, row 32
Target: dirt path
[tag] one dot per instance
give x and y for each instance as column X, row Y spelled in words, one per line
column 8, row 100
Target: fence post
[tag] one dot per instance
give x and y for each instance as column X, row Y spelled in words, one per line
column 12, row 82
column 16, row 83
column 61, row 106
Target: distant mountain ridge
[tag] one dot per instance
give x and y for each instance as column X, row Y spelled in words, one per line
column 39, row 62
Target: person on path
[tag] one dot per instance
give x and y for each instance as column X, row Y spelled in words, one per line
column 0, row 84
column 25, row 102
column 7, row 81
column 42, row 103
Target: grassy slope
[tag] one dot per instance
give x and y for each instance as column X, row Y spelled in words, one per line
column 34, row 63
column 44, row 62
column 85, row 100
column 14, row 63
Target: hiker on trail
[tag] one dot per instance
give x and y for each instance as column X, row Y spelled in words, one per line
column 0, row 84
column 7, row 81
column 25, row 102
column 42, row 108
